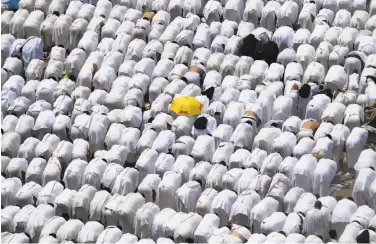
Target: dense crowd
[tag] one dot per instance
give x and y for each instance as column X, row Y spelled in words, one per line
column 92, row 152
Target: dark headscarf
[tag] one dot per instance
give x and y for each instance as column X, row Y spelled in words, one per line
column 268, row 52
column 363, row 237
column 249, row 46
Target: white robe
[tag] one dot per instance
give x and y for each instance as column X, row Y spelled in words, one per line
column 324, row 173
column 361, row 191
column 222, row 204
column 90, row 232
column 341, row 215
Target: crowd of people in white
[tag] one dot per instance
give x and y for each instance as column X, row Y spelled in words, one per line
column 91, row 151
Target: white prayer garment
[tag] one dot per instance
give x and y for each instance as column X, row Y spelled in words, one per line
column 341, row 215
column 90, row 232
column 38, row 219
column 361, row 191
column 7, row 216
column 27, row 194
column 315, row 222
column 304, row 172
column 262, row 210
column 110, row 235
column 50, row 192
column 208, row 224
column 165, row 215
column 143, row 220
column 52, row 226
column 305, row 203
column 241, row 209
column 323, row 175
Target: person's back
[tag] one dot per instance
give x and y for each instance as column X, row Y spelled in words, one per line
column 32, row 49
column 315, row 221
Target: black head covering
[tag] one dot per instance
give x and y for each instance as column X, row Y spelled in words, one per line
column 209, row 92
column 269, row 52
column 249, row 46
column 363, row 237
column 201, row 123
column 305, row 91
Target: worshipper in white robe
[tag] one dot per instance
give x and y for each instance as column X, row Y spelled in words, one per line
column 361, row 191
column 69, row 230
column 98, row 204
column 6, row 42
column 279, row 187
column 341, row 214
column 74, row 174
column 128, row 238
column 273, row 223
column 294, row 223
column 222, row 204
column 203, row 148
column 287, row 167
column 305, row 203
column 271, row 164
column 291, row 198
column 183, row 146
column 18, row 238
column 81, row 203
column 148, row 187
column 323, row 175
column 208, row 224
column 241, row 209
column 230, row 178
column 94, row 172
column 90, row 232
column 27, row 194
column 164, row 141
column 16, row 168
column 366, row 159
column 35, row 170
column 21, row 218
column 7, row 215
column 38, row 220
column 9, row 189
column 339, row 135
column 265, row 137
column 166, row 193
column 188, row 194
column 261, row 211
column 47, row 146
column 146, row 162
column 219, row 235
column 188, row 225
column 315, row 221
column 214, row 177
column 110, row 235
column 284, row 144
column 363, row 215
column 24, row 126
column 111, row 209
column 204, row 202
column 10, row 144
column 324, row 148
column 159, row 220
column 50, row 192
column 64, row 203
column 143, row 220
column 354, row 144
column 303, row 172
column 239, row 234
column 126, row 182
column 350, row 233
